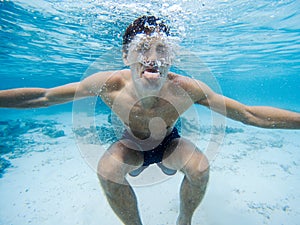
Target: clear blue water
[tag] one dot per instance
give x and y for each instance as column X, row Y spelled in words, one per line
column 252, row 48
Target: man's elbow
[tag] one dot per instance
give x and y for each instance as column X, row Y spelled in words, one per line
column 41, row 102
column 250, row 118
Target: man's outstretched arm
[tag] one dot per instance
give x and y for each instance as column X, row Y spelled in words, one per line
column 44, row 97
column 259, row 116
column 37, row 97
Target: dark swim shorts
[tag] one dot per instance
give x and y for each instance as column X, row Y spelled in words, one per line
column 156, row 155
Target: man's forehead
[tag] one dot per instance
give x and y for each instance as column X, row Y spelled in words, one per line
column 151, row 39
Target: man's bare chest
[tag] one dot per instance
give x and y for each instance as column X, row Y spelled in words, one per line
column 141, row 117
column 159, row 118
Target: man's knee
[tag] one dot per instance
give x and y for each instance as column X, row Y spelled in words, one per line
column 197, row 169
column 116, row 162
column 108, row 167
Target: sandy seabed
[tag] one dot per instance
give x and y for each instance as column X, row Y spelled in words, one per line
column 254, row 179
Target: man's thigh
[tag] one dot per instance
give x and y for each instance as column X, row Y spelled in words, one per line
column 118, row 160
column 183, row 155
column 126, row 152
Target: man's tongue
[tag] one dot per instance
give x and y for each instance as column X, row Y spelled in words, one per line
column 151, row 74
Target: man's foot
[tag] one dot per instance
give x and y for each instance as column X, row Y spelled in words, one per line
column 166, row 170
column 137, row 171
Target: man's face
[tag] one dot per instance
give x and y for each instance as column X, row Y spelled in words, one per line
column 149, row 57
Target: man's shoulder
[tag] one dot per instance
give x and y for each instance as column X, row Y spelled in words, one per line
column 113, row 74
column 180, row 79
column 107, row 80
column 111, row 77
column 189, row 84
column 196, row 89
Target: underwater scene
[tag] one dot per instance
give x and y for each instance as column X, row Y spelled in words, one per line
column 246, row 50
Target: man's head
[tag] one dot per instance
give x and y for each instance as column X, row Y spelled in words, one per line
column 144, row 25
column 148, row 51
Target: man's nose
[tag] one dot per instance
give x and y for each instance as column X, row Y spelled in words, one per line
column 151, row 58
column 151, row 63
column 152, row 55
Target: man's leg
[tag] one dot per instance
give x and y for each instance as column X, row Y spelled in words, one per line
column 191, row 194
column 112, row 169
column 183, row 155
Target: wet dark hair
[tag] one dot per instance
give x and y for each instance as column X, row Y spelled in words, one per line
column 144, row 25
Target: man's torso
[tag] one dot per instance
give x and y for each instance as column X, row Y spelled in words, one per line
column 156, row 120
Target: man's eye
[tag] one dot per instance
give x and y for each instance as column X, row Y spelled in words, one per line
column 161, row 49
column 143, row 48
column 140, row 49
column 146, row 46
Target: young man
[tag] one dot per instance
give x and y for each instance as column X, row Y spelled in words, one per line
column 149, row 99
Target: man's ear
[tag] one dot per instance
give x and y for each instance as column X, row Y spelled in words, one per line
column 125, row 60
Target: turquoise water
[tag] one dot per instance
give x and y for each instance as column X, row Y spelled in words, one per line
column 251, row 48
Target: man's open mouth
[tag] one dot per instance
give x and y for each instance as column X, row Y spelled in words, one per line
column 151, row 73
